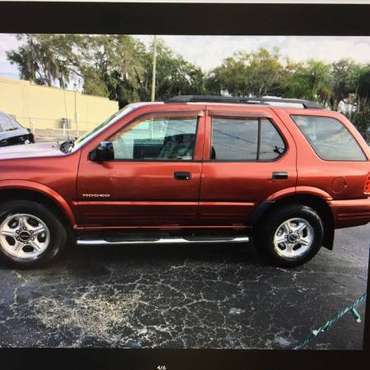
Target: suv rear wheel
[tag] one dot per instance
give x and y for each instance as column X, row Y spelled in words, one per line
column 291, row 235
column 30, row 234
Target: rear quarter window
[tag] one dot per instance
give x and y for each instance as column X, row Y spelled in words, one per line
column 330, row 139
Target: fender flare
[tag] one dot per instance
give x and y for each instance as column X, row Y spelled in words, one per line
column 286, row 193
column 290, row 192
column 300, row 190
column 44, row 190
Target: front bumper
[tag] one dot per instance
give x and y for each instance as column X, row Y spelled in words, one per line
column 352, row 212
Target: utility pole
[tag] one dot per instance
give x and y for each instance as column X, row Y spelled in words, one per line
column 76, row 114
column 154, row 67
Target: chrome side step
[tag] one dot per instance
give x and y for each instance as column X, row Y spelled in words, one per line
column 238, row 239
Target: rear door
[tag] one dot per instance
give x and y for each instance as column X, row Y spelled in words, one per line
column 249, row 155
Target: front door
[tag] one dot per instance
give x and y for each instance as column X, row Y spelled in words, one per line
column 154, row 179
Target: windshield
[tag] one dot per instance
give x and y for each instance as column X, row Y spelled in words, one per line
column 99, row 128
column 8, row 123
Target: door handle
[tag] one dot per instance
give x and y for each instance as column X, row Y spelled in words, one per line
column 182, row 175
column 280, row 175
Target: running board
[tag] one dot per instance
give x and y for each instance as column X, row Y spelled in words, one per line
column 238, row 239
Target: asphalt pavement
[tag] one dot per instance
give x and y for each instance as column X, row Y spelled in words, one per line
column 197, row 296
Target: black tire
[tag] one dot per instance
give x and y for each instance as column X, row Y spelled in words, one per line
column 265, row 231
column 58, row 232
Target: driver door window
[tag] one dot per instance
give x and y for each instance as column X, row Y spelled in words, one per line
column 156, row 139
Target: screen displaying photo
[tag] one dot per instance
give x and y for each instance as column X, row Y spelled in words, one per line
column 224, row 182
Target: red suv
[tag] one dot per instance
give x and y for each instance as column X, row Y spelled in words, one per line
column 284, row 173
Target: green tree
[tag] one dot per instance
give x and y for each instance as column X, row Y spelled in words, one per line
column 311, row 80
column 120, row 67
column 361, row 118
column 296, row 83
column 109, row 65
column 174, row 75
column 44, row 59
column 244, row 74
column 345, row 79
column 112, row 66
column 363, row 90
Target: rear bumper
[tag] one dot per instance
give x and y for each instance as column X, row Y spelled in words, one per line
column 352, row 212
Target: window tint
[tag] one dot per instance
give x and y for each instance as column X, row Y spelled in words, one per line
column 329, row 138
column 238, row 140
column 234, row 139
column 157, row 139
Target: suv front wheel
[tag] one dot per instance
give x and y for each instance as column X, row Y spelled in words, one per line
column 291, row 235
column 30, row 234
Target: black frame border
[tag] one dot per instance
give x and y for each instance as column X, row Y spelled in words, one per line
column 185, row 18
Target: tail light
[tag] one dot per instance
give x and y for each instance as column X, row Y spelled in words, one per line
column 367, row 185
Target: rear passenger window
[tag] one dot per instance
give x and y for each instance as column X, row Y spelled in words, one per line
column 272, row 145
column 245, row 140
column 329, row 138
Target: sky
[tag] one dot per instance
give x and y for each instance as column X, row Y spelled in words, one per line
column 209, row 51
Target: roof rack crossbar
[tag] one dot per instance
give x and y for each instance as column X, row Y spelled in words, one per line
column 243, row 100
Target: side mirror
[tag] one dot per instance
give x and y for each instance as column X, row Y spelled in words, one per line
column 103, row 152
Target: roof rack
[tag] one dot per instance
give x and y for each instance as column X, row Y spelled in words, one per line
column 307, row 104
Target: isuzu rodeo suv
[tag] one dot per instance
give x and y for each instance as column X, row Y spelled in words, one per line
column 282, row 173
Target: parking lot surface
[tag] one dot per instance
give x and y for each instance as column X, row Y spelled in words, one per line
column 214, row 296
